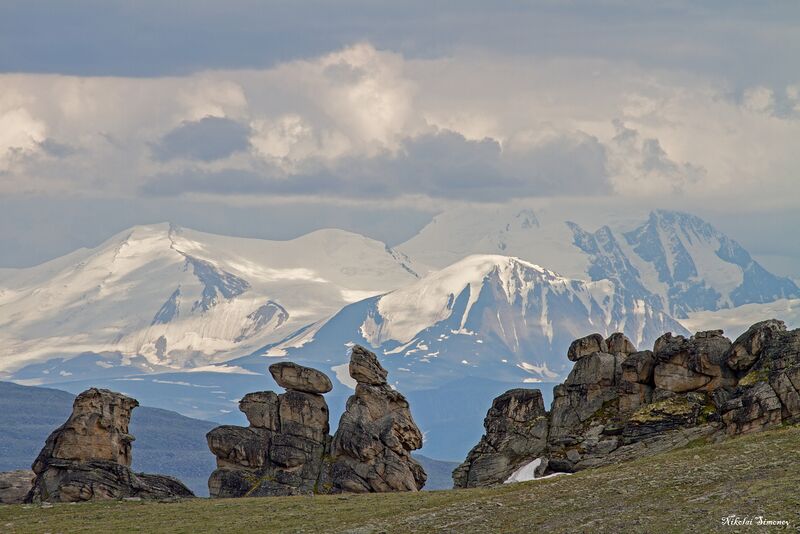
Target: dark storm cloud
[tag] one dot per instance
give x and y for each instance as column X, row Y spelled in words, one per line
column 208, row 139
column 441, row 165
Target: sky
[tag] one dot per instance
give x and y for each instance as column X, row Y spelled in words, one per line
column 272, row 119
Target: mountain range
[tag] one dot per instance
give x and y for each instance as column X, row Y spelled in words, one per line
column 479, row 301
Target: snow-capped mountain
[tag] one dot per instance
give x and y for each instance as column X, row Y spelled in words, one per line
column 673, row 261
column 488, row 316
column 162, row 298
column 458, row 314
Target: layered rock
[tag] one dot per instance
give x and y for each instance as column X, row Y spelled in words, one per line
column 287, row 448
column 15, row 485
column 89, row 456
column 372, row 447
column 516, row 434
column 281, row 452
column 618, row 404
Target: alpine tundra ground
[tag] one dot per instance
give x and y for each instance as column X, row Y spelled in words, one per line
column 747, row 484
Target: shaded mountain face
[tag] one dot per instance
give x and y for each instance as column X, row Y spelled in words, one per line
column 674, row 261
column 700, row 268
column 490, row 316
column 160, row 298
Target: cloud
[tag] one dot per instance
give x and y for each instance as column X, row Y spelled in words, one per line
column 20, row 133
column 366, row 123
column 641, row 164
column 207, row 139
column 759, row 99
column 54, row 148
column 441, row 164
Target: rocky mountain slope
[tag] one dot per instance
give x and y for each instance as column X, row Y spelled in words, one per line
column 694, row 489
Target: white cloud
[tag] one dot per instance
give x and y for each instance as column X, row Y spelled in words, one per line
column 20, row 131
column 759, row 99
column 356, row 111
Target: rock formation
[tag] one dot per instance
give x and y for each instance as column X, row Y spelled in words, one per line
column 371, row 450
column 15, row 485
column 618, row 403
column 89, row 456
column 282, row 451
column 287, row 448
column 516, row 431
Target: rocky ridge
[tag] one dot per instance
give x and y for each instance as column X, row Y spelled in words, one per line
column 287, row 448
column 89, row 456
column 619, row 403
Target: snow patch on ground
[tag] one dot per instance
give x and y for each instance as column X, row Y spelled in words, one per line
column 528, row 472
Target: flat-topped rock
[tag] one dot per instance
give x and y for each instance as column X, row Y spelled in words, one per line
column 295, row 377
column 89, row 456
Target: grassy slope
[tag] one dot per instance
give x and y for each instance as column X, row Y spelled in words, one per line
column 689, row 490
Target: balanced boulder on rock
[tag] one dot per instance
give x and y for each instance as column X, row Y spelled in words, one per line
column 287, row 448
column 89, row 456
column 282, row 451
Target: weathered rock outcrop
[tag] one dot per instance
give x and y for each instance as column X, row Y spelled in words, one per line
column 282, row 451
column 287, row 448
column 618, row 404
column 371, row 450
column 15, row 485
column 516, row 433
column 89, row 456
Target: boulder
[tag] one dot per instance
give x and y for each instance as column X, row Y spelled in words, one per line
column 618, row 343
column 752, row 409
column 691, row 364
column 298, row 378
column 89, row 456
column 365, row 368
column 747, row 347
column 96, row 430
column 677, row 378
column 516, row 434
column 586, row 346
column 15, row 485
column 371, row 450
column 261, row 409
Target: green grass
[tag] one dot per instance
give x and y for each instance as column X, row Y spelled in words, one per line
column 689, row 490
